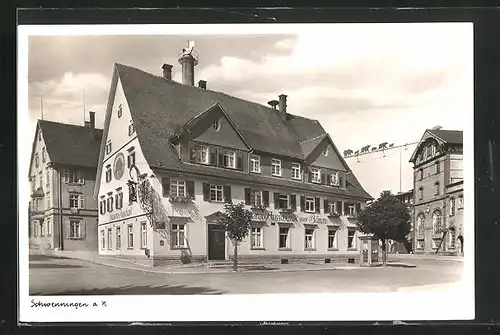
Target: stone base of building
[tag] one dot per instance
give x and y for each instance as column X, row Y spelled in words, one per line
column 325, row 258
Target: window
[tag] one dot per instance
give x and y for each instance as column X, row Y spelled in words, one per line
column 108, row 147
column 421, row 173
column 120, row 111
column 47, row 197
column 75, row 229
column 37, row 163
column 118, row 238
column 103, row 240
column 43, row 155
column 254, row 163
column 102, row 205
column 33, row 184
column 130, row 236
column 436, row 185
column 420, row 227
column 73, row 177
column 438, row 167
column 315, row 175
column 35, row 229
column 48, row 176
column 436, row 222
column 177, row 188
column 216, row 193
column 452, row 238
column 351, row 239
column 203, row 154
column 256, row 237
column 296, row 171
column 76, row 201
column 109, row 202
column 332, row 240
column 351, row 209
column 460, row 202
column 40, row 179
column 130, row 158
column 144, row 235
column 256, row 198
column 178, row 235
column 42, row 229
column 230, row 159
column 283, row 201
column 216, row 125
column 332, row 208
column 119, row 199
column 420, row 193
column 131, row 129
column 334, row 178
column 110, row 241
column 284, row 241
column 49, row 227
column 309, row 239
column 310, row 204
column 452, row 206
column 276, row 167
column 108, row 173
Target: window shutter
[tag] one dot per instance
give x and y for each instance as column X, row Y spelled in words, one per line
column 323, row 176
column 265, row 198
column 276, row 200
column 293, row 201
column 190, row 188
column 206, row 192
column 341, row 180
column 213, row 156
column 83, row 229
column 302, row 203
column 165, row 183
column 221, row 157
column 339, row 207
column 247, row 196
column 358, row 207
column 309, row 176
column 326, row 206
column 317, row 203
column 81, row 201
column 227, row 194
column 239, row 160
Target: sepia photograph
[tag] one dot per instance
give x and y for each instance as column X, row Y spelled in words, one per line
column 280, row 166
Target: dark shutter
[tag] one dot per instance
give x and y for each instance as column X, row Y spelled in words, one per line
column 165, row 183
column 265, row 198
column 239, row 160
column 293, row 202
column 309, row 176
column 227, row 194
column 247, row 196
column 358, row 207
column 302, row 203
column 83, row 229
column 341, row 180
column 339, row 207
column 324, row 174
column 190, row 188
column 221, row 157
column 276, row 200
column 326, row 206
column 317, row 204
column 206, row 192
column 213, row 156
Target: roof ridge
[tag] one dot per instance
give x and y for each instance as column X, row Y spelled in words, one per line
column 66, row 124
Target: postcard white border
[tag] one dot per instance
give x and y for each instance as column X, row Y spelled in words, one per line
column 456, row 303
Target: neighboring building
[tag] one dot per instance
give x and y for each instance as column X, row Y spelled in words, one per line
column 62, row 176
column 438, row 187
column 200, row 149
column 406, row 198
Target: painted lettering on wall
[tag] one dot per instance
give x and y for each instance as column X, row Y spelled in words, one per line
column 291, row 218
column 120, row 215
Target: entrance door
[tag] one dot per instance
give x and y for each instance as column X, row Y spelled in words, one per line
column 216, row 243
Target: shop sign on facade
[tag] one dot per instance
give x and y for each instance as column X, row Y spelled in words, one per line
column 120, row 215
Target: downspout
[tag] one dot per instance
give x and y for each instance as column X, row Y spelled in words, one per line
column 61, row 225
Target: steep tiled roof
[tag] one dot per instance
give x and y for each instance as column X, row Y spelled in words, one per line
column 449, row 136
column 71, row 144
column 308, row 146
column 159, row 107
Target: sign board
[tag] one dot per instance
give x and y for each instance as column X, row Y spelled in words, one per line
column 289, row 218
column 120, row 215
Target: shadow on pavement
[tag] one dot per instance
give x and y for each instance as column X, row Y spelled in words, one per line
column 137, row 290
column 34, row 258
column 53, row 266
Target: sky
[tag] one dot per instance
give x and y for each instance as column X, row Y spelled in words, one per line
column 365, row 83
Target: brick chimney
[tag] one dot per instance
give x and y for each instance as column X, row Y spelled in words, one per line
column 282, row 106
column 202, row 84
column 167, row 71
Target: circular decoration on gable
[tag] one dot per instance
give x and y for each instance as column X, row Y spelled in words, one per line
column 119, row 166
column 216, row 125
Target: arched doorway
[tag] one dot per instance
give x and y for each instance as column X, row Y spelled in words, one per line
column 460, row 238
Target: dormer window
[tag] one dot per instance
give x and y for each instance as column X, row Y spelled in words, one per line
column 315, row 175
column 334, row 178
column 216, row 125
column 120, row 111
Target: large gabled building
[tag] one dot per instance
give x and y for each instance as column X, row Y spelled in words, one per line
column 199, row 149
column 438, row 193
column 62, row 211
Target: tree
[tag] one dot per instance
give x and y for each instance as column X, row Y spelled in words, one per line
column 236, row 221
column 387, row 219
